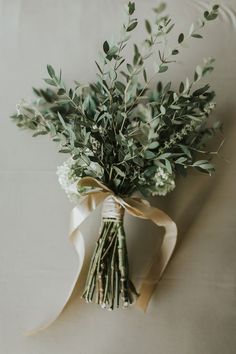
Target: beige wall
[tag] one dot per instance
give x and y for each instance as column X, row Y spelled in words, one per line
column 193, row 309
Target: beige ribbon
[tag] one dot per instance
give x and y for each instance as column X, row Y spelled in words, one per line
column 137, row 207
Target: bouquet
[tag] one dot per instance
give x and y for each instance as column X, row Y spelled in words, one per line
column 126, row 132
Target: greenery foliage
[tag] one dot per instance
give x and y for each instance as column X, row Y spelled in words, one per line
column 119, row 122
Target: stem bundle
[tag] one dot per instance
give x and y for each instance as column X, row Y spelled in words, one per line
column 108, row 277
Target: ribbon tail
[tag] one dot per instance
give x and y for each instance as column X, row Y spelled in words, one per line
column 163, row 256
column 87, row 204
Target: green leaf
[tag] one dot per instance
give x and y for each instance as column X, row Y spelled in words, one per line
column 168, row 166
column 106, row 47
column 120, row 63
column 137, row 56
column 181, row 38
column 215, row 7
column 201, row 90
column 163, row 110
column 204, row 165
column 99, row 68
column 40, row 132
column 120, row 86
column 180, row 160
column 37, row 92
column 173, row 106
column 198, row 73
column 112, row 51
column 85, row 158
column 59, row 80
column 145, row 75
column 64, row 101
column 170, row 28
column 181, row 87
column 138, row 161
column 150, row 171
column 71, row 93
column 61, row 91
column 148, row 26
column 208, row 166
column 125, row 75
column 167, row 88
column 51, row 71
column 159, row 86
column 162, row 68
column 132, row 26
column 212, row 16
column 153, row 145
column 130, row 68
column 118, row 170
column 131, row 7
column 149, row 155
column 175, row 52
column 185, row 150
column 200, row 163
column 61, row 120
column 65, row 151
column 50, row 82
column 196, row 35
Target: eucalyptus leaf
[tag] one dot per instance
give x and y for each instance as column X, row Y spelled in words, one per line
column 148, row 26
column 181, row 38
column 51, row 71
column 132, row 26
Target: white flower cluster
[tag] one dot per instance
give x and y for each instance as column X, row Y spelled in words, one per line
column 20, row 107
column 68, row 180
column 26, row 108
column 162, row 182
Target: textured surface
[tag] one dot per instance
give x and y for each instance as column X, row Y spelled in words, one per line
column 193, row 309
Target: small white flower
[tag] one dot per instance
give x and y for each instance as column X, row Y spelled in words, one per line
column 20, row 107
column 163, row 182
column 68, row 180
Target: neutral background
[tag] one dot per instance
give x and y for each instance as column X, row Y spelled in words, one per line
column 193, row 308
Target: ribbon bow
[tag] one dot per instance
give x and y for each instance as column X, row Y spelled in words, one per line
column 137, row 207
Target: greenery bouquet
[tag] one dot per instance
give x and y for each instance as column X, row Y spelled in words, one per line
column 128, row 132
